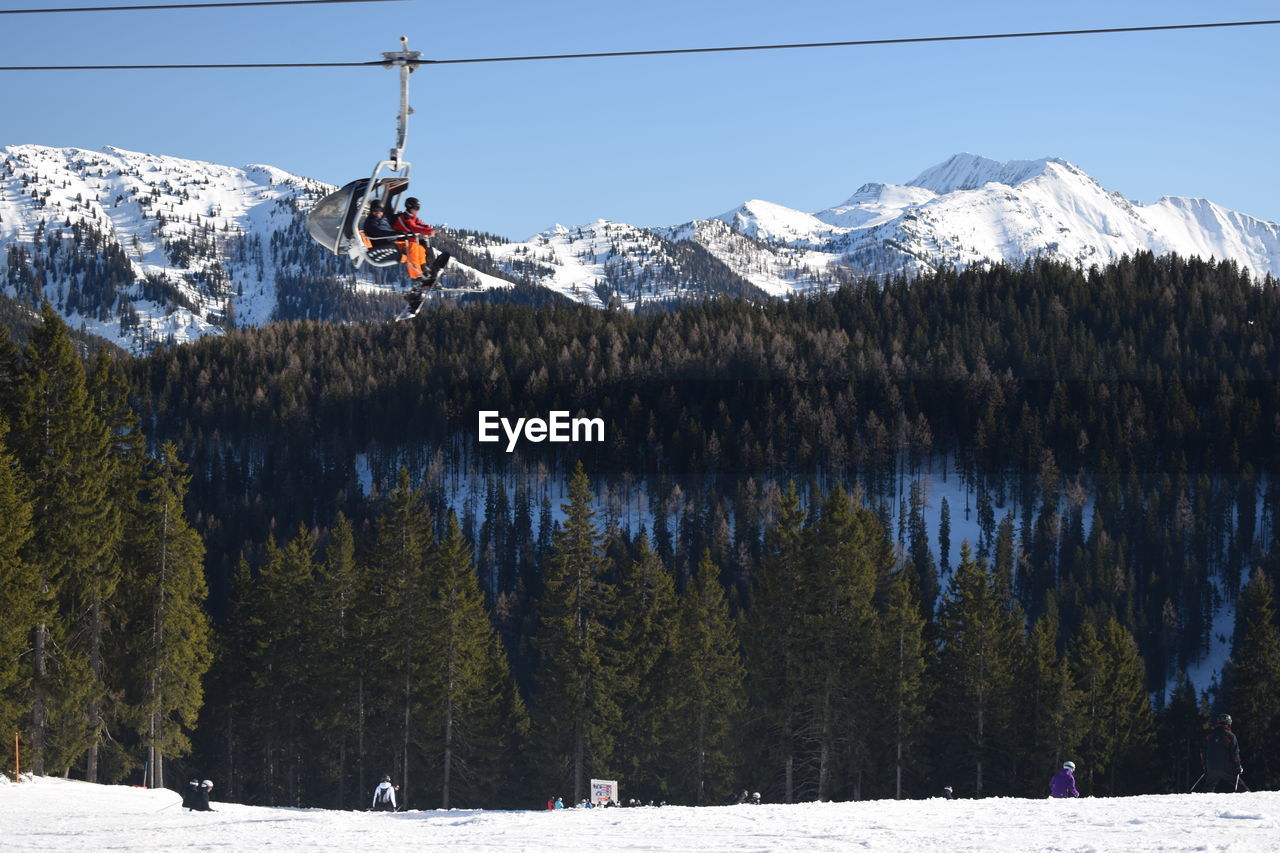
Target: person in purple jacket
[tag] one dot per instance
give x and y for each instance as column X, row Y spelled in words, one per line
column 1063, row 783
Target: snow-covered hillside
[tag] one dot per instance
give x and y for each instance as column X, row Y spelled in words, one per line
column 141, row 248
column 52, row 814
column 144, row 249
column 181, row 240
column 967, row 210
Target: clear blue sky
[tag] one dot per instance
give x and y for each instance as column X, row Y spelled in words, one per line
column 513, row 148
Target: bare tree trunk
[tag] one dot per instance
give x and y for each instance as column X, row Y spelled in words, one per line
column 95, row 704
column 824, row 753
column 897, row 792
column 231, row 752
column 360, row 780
column 700, row 764
column 39, row 708
column 448, row 751
column 790, row 766
column 342, row 771
column 404, row 790
column 579, row 760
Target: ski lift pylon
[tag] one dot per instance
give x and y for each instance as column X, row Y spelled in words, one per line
column 336, row 219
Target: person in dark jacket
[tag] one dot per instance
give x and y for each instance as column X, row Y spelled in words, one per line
column 1063, row 783
column 196, row 797
column 1220, row 756
column 377, row 227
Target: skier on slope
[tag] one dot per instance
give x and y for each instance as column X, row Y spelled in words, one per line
column 1063, row 783
column 384, row 796
column 1220, row 756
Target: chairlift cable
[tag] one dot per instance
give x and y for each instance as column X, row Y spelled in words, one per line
column 666, row 52
column 186, row 6
column 861, row 43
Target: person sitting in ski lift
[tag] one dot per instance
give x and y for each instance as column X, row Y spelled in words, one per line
column 407, row 220
column 378, row 229
column 384, row 237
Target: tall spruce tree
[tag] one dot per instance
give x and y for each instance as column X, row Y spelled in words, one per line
column 339, row 652
column 467, row 681
column 19, row 583
column 709, row 706
column 168, row 628
column 284, row 688
column 1180, row 729
column 899, row 687
column 773, row 646
column 838, row 628
column 648, row 685
column 399, row 658
column 63, row 447
column 975, row 677
column 1115, row 713
column 576, row 711
column 1047, row 703
column 109, row 393
column 1255, row 681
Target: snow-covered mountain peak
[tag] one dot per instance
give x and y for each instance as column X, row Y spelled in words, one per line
column 875, row 203
column 144, row 248
column 970, row 172
column 765, row 220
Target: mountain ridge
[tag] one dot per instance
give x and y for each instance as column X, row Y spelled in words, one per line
column 145, row 249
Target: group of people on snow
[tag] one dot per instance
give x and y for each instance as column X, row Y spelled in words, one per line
column 554, row 803
column 1219, row 755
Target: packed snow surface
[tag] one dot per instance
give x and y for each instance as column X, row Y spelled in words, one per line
column 56, row 815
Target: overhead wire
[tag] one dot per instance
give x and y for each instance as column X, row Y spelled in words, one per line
column 186, row 6
column 663, row 52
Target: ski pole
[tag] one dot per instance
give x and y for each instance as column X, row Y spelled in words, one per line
column 1240, row 783
column 1193, row 784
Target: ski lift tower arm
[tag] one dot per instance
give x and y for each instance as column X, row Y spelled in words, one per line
column 407, row 60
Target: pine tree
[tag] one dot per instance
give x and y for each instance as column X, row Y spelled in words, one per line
column 168, row 631
column 399, row 658
column 339, row 651
column 975, row 677
column 284, row 689
column 837, row 624
column 710, row 671
column 1255, row 682
column 773, row 647
column 647, row 683
column 1048, row 702
column 109, row 392
column 467, row 679
column 62, row 446
column 1116, row 717
column 919, row 557
column 576, row 714
column 19, row 582
column 899, row 685
column 1180, row 729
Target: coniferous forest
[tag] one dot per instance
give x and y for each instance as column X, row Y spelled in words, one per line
column 282, row 559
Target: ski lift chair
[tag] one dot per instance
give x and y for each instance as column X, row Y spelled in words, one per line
column 335, row 222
